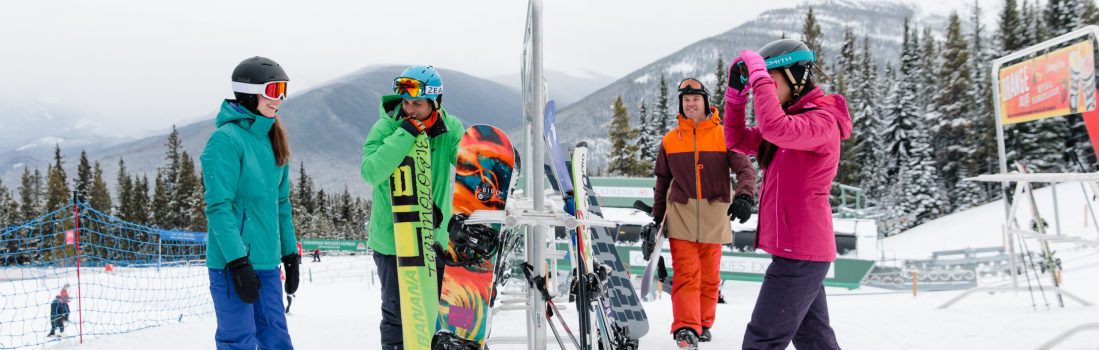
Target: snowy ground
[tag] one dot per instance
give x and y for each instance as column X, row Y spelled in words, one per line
column 338, row 309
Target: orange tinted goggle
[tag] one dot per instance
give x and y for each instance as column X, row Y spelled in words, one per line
column 689, row 86
column 412, row 87
column 275, row 90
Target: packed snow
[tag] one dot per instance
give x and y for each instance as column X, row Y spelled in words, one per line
column 337, row 306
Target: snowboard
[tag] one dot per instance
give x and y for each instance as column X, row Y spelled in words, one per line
column 483, row 177
column 629, row 319
column 648, row 276
column 413, row 231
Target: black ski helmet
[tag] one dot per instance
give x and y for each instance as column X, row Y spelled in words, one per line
column 794, row 58
column 691, row 90
column 259, row 70
column 256, row 70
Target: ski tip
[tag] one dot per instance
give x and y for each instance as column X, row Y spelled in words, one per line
column 582, row 144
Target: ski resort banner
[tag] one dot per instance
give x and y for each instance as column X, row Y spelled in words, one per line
column 1057, row 83
column 310, row 244
column 741, row 266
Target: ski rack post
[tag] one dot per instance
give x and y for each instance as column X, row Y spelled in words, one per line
column 521, row 213
column 1010, row 230
column 534, row 97
column 1090, row 31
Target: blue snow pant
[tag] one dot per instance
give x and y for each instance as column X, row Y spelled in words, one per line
column 246, row 326
column 391, row 330
column 791, row 306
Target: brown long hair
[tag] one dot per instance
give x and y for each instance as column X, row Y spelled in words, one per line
column 280, row 143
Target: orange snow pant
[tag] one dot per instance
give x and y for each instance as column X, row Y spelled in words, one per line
column 695, row 282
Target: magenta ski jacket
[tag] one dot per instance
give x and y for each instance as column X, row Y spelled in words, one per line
column 795, row 218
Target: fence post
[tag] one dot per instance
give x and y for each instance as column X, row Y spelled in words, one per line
column 914, row 278
column 76, row 240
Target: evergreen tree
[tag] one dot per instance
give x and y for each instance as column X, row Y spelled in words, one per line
column 161, row 209
column 186, row 188
column 847, row 75
column 624, row 160
column 83, row 180
column 140, row 201
column 125, row 199
column 9, row 209
column 648, row 142
column 910, row 153
column 847, row 67
column 868, row 148
column 99, row 196
column 29, row 186
column 663, row 116
column 956, row 139
column 57, row 188
column 985, row 158
column 198, row 207
column 717, row 98
column 812, row 37
column 170, row 181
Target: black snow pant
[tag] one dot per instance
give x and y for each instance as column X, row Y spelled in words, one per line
column 791, row 306
column 391, row 331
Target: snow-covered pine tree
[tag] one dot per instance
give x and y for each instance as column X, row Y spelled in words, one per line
column 868, row 148
column 846, row 79
column 648, row 141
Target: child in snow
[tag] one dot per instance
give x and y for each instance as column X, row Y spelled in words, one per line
column 59, row 312
column 796, row 141
column 694, row 198
column 246, row 173
column 414, row 108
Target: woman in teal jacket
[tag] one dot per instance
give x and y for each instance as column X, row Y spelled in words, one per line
column 244, row 166
column 403, row 116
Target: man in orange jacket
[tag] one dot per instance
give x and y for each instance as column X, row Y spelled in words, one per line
column 693, row 197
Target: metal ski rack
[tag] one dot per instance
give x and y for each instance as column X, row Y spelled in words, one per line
column 1012, row 230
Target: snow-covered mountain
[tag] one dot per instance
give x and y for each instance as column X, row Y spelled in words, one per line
column 566, row 88
column 327, row 126
column 882, row 22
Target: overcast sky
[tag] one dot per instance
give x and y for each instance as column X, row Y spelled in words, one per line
column 143, row 65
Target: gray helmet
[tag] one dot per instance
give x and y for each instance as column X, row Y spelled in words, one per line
column 795, row 59
column 259, row 70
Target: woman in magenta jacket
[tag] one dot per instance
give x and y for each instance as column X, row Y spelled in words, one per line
column 796, row 141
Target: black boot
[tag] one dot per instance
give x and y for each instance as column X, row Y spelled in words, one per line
column 686, row 339
column 705, row 336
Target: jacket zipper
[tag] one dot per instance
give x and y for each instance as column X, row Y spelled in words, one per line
column 248, row 247
column 698, row 189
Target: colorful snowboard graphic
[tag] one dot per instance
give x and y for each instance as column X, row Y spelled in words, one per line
column 482, row 180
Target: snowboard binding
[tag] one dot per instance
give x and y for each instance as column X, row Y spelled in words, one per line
column 472, row 244
column 451, row 341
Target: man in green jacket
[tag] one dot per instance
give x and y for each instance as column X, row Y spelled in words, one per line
column 416, row 107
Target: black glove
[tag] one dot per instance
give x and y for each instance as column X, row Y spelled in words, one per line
column 290, row 266
column 436, row 216
column 244, row 279
column 741, row 208
column 410, row 126
column 648, row 240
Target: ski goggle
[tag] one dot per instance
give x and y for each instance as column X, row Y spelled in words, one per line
column 275, row 90
column 414, row 88
column 692, row 86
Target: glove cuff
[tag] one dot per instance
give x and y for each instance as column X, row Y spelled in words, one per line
column 290, row 258
column 238, row 262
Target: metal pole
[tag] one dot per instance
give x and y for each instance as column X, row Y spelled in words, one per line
column 1056, row 210
column 1001, row 151
column 536, row 242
